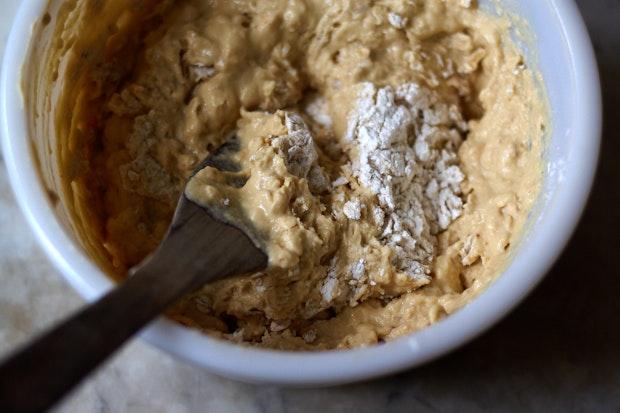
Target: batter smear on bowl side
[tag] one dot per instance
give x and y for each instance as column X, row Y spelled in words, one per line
column 390, row 152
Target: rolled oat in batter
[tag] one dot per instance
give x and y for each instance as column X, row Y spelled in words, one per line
column 390, row 154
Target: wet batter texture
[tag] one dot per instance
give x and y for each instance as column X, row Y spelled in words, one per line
column 390, row 152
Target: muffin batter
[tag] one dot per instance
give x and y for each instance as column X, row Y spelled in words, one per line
column 390, row 155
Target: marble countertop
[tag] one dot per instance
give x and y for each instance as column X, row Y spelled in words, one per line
column 559, row 351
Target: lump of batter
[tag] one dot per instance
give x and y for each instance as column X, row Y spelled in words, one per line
column 390, row 153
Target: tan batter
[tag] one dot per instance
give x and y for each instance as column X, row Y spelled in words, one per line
column 197, row 71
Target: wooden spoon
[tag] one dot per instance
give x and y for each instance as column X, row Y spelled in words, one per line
column 199, row 247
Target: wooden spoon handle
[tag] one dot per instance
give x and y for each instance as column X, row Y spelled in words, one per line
column 198, row 248
column 41, row 373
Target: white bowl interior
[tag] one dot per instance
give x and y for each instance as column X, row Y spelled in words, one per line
column 559, row 49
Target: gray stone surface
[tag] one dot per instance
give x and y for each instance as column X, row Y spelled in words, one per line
column 559, row 351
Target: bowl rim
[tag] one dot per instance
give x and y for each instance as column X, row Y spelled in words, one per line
column 334, row 366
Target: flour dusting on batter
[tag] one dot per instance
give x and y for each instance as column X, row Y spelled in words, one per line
column 407, row 143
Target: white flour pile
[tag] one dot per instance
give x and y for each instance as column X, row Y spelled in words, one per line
column 404, row 150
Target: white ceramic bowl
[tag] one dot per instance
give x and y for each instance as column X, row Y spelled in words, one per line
column 563, row 54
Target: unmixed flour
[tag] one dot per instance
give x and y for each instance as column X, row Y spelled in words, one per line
column 406, row 142
column 299, row 153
